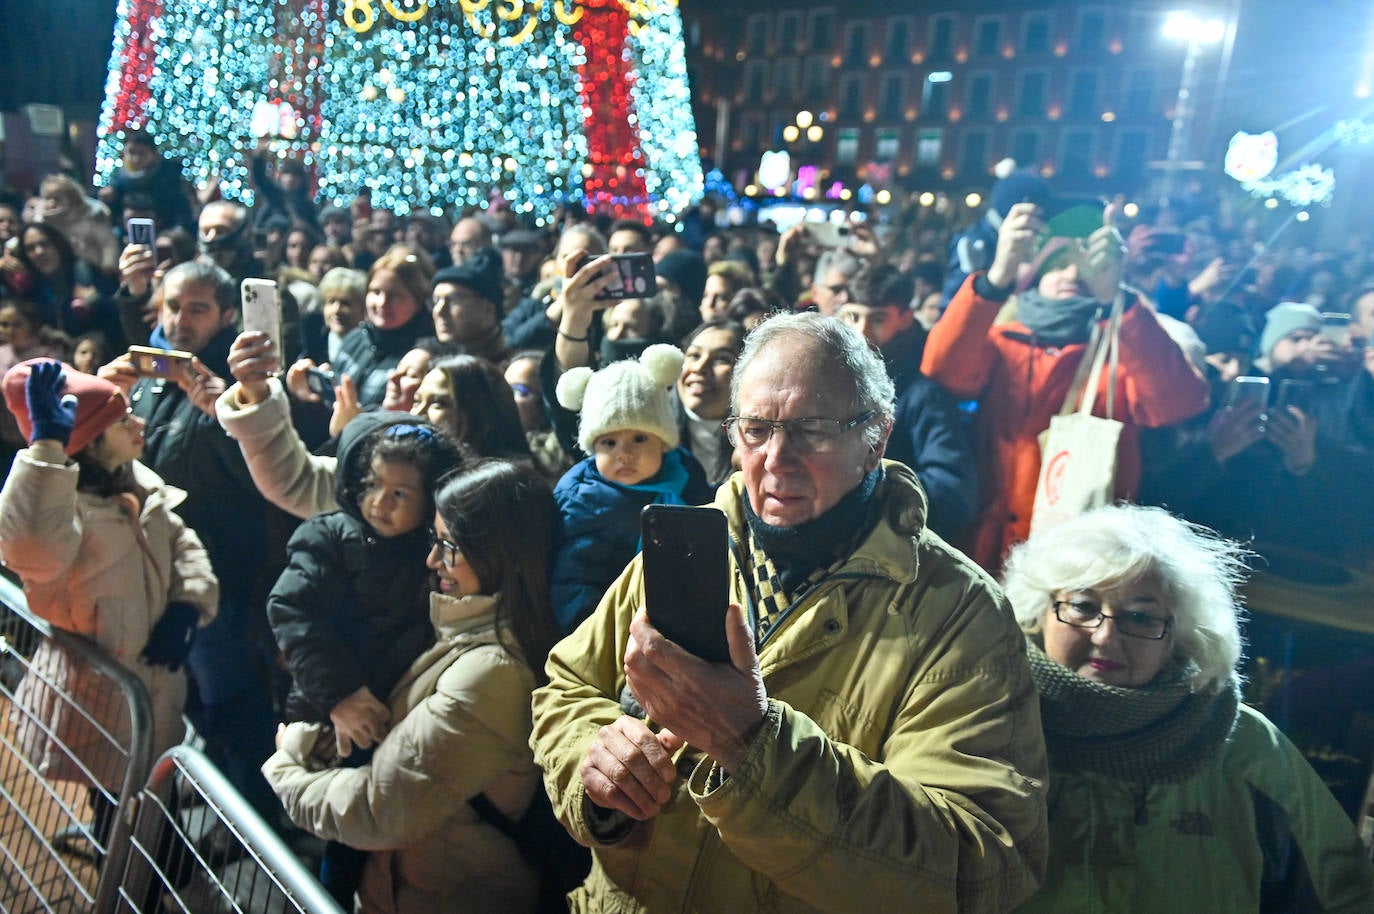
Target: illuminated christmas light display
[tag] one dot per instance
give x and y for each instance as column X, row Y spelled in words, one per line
column 1252, row 158
column 428, row 103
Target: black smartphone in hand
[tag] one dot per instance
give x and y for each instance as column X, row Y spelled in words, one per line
column 686, row 577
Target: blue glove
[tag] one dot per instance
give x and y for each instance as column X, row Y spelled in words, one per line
column 51, row 415
column 171, row 639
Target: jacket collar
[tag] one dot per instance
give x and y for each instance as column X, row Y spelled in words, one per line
column 889, row 551
column 472, row 618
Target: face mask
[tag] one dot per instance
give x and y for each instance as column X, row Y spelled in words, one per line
column 619, row 350
column 227, row 247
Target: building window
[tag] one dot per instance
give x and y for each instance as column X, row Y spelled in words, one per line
column 1025, row 148
column 1083, row 94
column 753, row 132
column 1031, row 96
column 821, row 29
column 979, row 98
column 1076, row 155
column 1140, row 93
column 973, row 160
column 789, row 33
column 934, row 101
column 817, row 78
column 1092, row 27
column 987, row 37
column 941, row 39
column 929, row 143
column 898, row 42
column 846, row 146
column 757, row 40
column 856, row 44
column 785, row 80
column 894, row 97
column 1132, row 154
column 852, row 98
column 755, row 75
column 888, row 145
column 1035, row 33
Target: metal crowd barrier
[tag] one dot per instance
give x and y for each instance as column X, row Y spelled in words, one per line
column 71, row 763
column 198, row 846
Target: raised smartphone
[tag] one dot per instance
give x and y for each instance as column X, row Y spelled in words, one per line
column 686, row 577
column 141, row 231
column 1249, row 388
column 150, row 362
column 262, row 310
column 634, row 278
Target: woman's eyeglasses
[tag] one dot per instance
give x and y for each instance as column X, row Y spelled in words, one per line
column 1082, row 614
column 448, row 551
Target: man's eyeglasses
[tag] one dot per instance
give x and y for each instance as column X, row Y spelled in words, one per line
column 448, row 551
column 522, row 390
column 810, row 436
column 1083, row 614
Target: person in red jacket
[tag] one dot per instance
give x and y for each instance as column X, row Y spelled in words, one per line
column 1020, row 372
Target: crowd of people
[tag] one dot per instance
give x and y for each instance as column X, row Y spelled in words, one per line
column 390, row 556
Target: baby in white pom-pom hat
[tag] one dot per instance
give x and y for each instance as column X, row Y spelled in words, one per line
column 628, row 424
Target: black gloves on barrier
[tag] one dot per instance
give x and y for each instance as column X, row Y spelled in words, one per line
column 171, row 639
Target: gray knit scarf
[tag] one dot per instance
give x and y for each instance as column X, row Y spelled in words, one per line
column 1161, row 733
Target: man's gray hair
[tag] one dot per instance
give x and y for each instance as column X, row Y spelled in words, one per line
column 871, row 387
column 1199, row 571
column 836, row 259
column 584, row 236
column 201, row 272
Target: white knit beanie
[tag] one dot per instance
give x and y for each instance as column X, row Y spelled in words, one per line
column 633, row 393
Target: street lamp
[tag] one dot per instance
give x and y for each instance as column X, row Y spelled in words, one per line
column 1196, row 32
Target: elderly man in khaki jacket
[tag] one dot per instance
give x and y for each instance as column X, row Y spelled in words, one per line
column 874, row 743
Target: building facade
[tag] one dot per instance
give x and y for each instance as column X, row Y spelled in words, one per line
column 933, row 95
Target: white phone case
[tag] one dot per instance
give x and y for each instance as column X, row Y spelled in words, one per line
column 262, row 310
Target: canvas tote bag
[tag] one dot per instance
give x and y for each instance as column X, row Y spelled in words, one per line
column 1078, row 451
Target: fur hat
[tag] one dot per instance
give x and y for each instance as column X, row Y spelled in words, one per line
column 633, row 393
column 99, row 404
column 1283, row 319
column 482, row 273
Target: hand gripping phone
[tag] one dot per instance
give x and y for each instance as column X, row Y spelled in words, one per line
column 686, row 577
column 634, row 278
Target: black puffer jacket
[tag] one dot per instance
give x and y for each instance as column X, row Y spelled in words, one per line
column 352, row 608
column 368, row 354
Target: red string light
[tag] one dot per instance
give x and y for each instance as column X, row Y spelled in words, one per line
column 615, row 181
column 136, row 66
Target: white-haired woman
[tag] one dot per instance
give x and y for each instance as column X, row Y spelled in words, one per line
column 1166, row 793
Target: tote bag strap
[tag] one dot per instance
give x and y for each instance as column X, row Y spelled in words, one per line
column 1107, row 351
column 1080, row 375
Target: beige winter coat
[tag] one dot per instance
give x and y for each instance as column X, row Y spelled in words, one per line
column 460, row 724
column 282, row 467
column 103, row 568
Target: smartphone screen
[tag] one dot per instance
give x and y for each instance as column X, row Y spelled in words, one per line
column 1247, row 389
column 141, row 231
column 686, row 577
column 1336, row 327
column 1296, row 393
column 634, row 278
